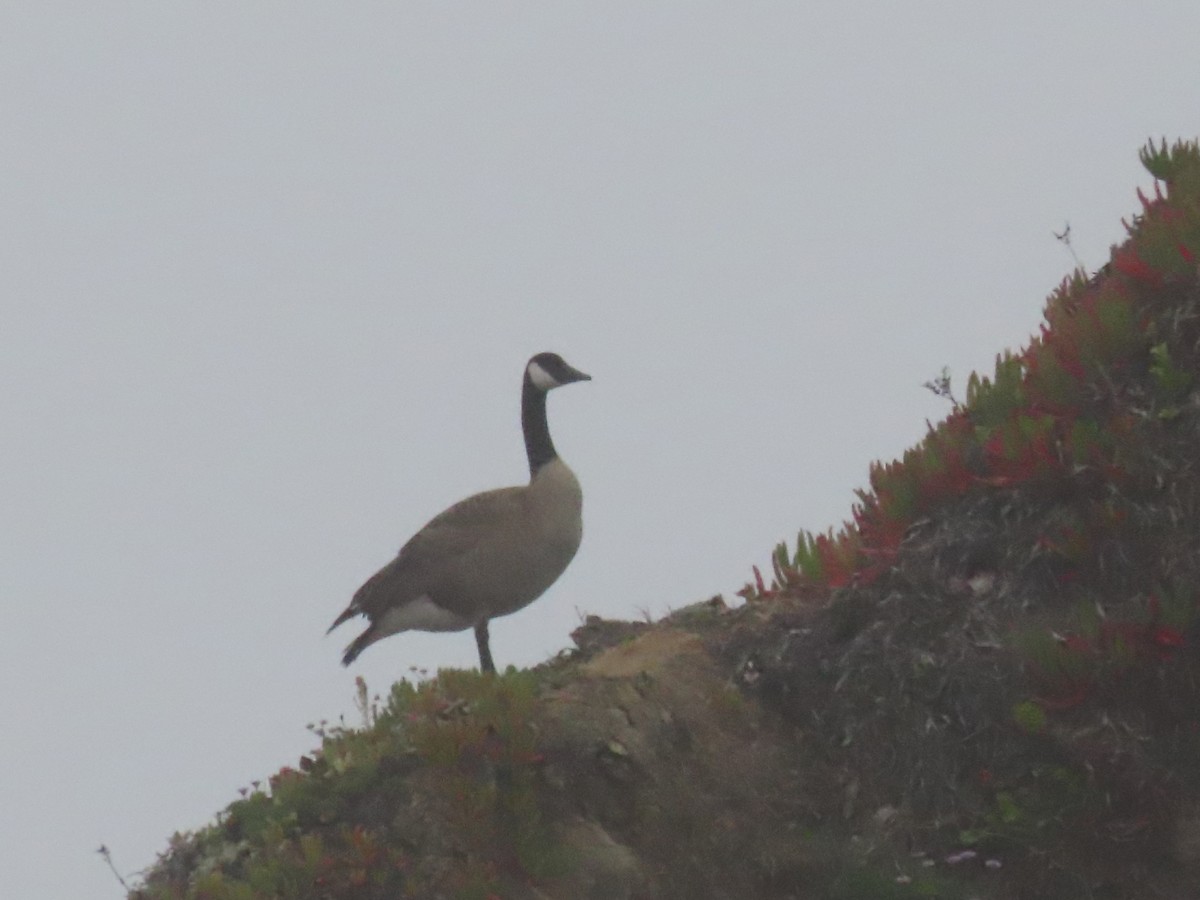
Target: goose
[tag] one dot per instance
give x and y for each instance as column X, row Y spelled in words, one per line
column 490, row 554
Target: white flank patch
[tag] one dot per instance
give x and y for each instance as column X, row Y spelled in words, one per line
column 542, row 380
column 420, row 615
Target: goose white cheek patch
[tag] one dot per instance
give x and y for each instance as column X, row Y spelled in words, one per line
column 542, row 380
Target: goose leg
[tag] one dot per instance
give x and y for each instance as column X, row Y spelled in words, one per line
column 485, row 652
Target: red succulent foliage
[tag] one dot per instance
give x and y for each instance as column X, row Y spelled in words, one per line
column 1129, row 263
column 1049, row 412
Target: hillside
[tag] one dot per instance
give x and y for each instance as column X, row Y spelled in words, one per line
column 985, row 685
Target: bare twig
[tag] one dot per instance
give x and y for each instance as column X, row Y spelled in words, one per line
column 104, row 852
column 940, row 387
column 1065, row 239
column 362, row 699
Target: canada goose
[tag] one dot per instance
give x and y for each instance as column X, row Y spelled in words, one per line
column 490, row 554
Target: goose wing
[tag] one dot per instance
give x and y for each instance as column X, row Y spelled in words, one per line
column 452, row 543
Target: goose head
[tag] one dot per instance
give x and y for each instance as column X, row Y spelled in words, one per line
column 546, row 371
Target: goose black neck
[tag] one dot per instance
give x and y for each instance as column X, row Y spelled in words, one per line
column 538, row 446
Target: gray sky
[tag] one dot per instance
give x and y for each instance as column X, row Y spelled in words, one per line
column 269, row 273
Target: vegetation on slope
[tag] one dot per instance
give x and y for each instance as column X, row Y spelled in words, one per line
column 986, row 685
column 1009, row 660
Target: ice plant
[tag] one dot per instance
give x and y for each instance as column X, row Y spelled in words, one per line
column 1048, row 412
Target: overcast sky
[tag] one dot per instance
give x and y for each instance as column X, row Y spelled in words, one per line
column 269, row 273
